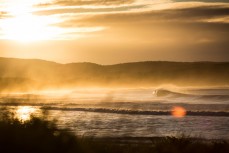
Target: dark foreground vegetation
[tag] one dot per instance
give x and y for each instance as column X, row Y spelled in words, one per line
column 41, row 136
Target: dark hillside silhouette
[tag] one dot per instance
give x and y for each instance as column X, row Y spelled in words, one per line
column 24, row 74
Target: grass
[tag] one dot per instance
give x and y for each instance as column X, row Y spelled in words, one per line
column 35, row 136
column 41, row 136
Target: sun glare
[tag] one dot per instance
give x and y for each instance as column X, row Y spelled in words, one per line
column 24, row 26
column 21, row 23
column 27, row 28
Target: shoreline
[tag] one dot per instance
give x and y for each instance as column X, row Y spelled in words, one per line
column 146, row 140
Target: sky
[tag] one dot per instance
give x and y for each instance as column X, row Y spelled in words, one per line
column 115, row 31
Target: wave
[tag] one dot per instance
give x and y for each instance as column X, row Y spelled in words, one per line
column 137, row 112
column 176, row 94
column 164, row 93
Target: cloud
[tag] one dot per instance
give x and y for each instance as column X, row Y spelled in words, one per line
column 86, row 2
column 95, row 6
column 212, row 1
column 4, row 14
column 86, row 10
column 186, row 32
column 162, row 9
column 170, row 25
column 182, row 15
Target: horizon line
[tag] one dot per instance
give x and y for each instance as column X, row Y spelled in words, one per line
column 127, row 62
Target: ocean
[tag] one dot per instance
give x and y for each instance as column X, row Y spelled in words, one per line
column 129, row 112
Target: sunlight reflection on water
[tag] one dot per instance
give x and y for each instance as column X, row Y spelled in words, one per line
column 24, row 113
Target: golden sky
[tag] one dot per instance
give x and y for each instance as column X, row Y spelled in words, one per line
column 115, row 31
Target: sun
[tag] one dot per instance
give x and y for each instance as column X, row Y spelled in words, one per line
column 27, row 28
column 24, row 26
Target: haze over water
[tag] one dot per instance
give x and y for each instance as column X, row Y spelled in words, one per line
column 131, row 112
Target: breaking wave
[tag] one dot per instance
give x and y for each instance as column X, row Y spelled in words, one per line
column 164, row 93
column 137, row 112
